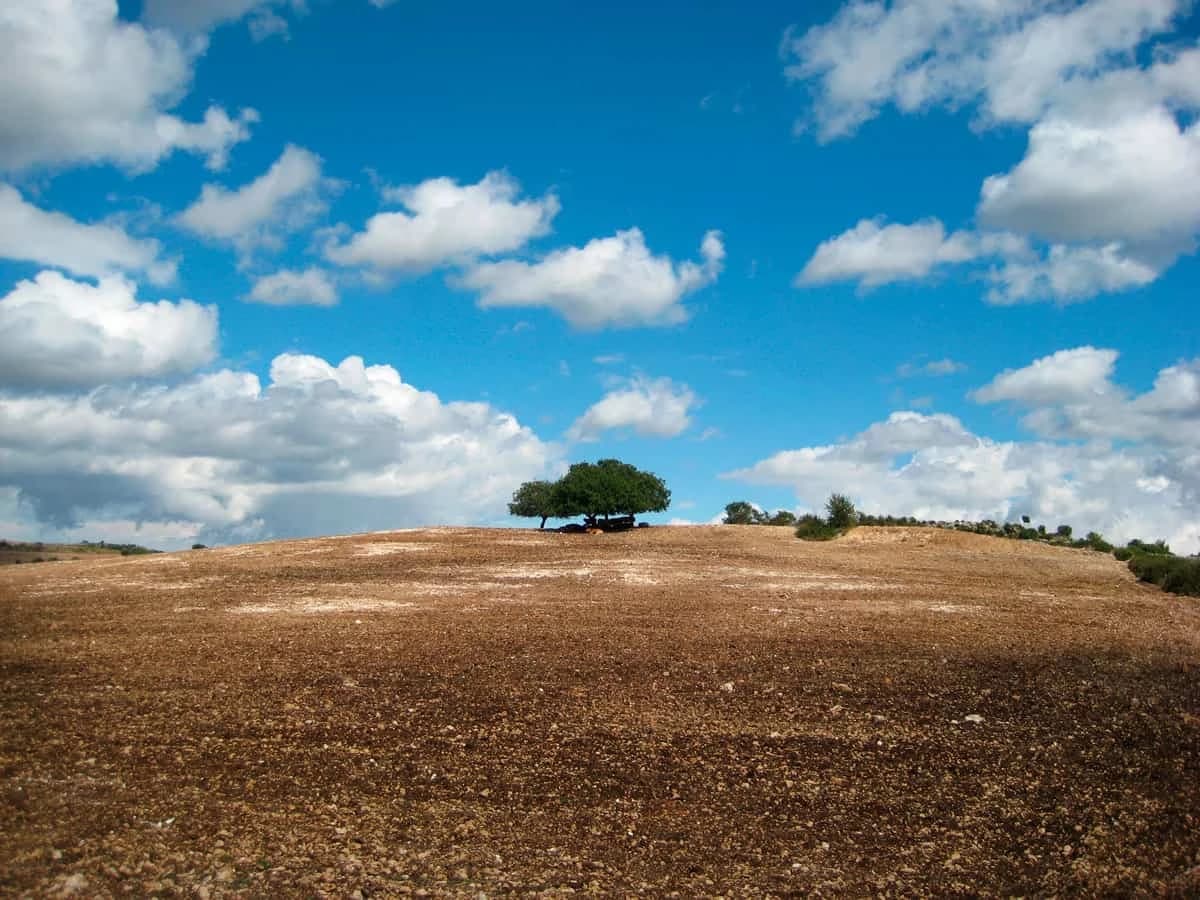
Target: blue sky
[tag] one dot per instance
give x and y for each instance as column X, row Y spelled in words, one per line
column 937, row 256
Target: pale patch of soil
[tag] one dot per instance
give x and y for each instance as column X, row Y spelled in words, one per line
column 707, row 710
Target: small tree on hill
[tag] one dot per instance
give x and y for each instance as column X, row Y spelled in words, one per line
column 782, row 517
column 742, row 513
column 840, row 512
column 534, row 500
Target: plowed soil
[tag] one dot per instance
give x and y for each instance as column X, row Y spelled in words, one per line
column 706, row 711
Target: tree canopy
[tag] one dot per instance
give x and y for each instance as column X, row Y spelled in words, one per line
column 605, row 488
column 535, row 500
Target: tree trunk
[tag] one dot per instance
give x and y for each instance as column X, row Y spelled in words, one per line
column 543, row 525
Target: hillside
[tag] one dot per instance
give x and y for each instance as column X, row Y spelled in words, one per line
column 38, row 551
column 708, row 710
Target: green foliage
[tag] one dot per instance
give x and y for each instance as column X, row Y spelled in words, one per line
column 813, row 528
column 840, row 512
column 605, row 488
column 535, row 500
column 1183, row 578
column 742, row 513
column 1064, row 531
column 782, row 517
column 1123, row 554
column 1158, row 548
column 1095, row 541
column 199, row 547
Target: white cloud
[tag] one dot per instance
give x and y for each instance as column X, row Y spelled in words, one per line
column 1111, row 175
column 1136, row 180
column 448, row 223
column 80, row 86
column 1071, row 395
column 652, row 407
column 875, row 254
column 1015, row 57
column 934, row 367
column 1067, row 375
column 287, row 287
column 931, row 467
column 613, row 281
column 59, row 332
column 284, row 198
column 1068, row 274
column 200, row 16
column 54, row 239
column 320, row 449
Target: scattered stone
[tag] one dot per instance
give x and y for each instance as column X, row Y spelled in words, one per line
column 974, row 719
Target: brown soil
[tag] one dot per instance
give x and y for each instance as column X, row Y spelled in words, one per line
column 717, row 710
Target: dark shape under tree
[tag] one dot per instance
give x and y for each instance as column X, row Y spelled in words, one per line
column 534, row 500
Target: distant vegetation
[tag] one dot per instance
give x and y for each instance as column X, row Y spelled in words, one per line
column 608, row 494
column 1153, row 563
column 39, row 551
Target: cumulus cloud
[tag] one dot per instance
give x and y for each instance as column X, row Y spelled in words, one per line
column 54, row 239
column 1111, row 175
column 1102, row 458
column 1071, row 395
column 875, row 254
column 651, row 407
column 942, row 471
column 55, row 332
column 287, row 287
column 1015, row 58
column 614, row 281
column 1068, row 274
column 283, row 199
column 319, row 449
column 1064, row 376
column 78, row 86
column 447, row 223
column 1136, row 179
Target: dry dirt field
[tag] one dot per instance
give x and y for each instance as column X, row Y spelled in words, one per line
column 705, row 711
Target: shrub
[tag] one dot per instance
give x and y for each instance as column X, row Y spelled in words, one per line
column 1095, row 540
column 1123, row 554
column 1064, row 531
column 1158, row 548
column 782, row 517
column 1152, row 567
column 740, row 512
column 841, row 512
column 199, row 547
column 1183, row 578
column 813, row 528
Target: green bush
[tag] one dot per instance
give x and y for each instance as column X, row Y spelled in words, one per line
column 1123, row 554
column 813, row 528
column 1153, row 567
column 1183, row 578
column 840, row 511
column 1158, row 548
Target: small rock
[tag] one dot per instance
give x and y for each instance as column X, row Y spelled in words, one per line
column 727, row 687
column 72, row 885
column 974, row 719
column 843, row 687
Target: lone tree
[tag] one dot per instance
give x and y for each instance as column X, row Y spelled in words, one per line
column 840, row 512
column 593, row 490
column 742, row 513
column 609, row 488
column 534, row 499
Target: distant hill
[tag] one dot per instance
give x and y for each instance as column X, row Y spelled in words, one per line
column 38, row 551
